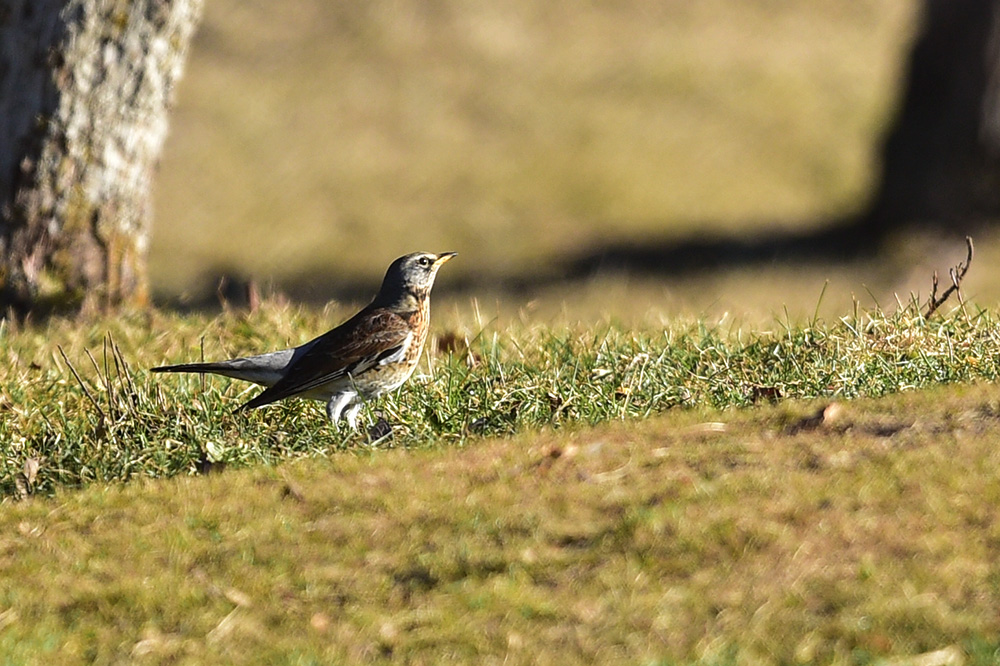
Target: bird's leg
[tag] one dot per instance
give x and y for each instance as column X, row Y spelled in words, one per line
column 352, row 411
column 352, row 414
column 336, row 405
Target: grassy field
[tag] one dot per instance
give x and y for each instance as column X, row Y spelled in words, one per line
column 780, row 465
column 809, row 532
column 80, row 401
column 807, row 493
column 315, row 142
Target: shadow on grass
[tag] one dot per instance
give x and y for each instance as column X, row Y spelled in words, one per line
column 846, row 241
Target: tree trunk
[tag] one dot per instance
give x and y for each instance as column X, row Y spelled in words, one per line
column 85, row 87
column 941, row 160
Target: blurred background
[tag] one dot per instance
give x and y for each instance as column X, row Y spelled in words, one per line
column 552, row 145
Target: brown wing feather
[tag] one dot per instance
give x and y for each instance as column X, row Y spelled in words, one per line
column 354, row 344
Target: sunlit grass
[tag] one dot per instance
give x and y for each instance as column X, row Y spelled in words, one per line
column 696, row 537
column 118, row 422
column 725, row 488
column 548, row 495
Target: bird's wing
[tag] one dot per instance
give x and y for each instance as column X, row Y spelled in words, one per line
column 366, row 340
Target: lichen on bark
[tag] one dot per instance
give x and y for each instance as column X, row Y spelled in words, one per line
column 85, row 88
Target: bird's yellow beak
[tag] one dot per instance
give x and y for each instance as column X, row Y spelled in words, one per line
column 443, row 257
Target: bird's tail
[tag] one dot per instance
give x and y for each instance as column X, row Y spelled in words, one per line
column 264, row 369
column 236, row 369
column 203, row 368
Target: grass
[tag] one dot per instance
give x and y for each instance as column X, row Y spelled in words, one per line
column 606, row 482
column 117, row 422
column 695, row 537
column 516, row 134
column 817, row 492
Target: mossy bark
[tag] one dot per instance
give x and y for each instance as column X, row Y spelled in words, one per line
column 85, row 87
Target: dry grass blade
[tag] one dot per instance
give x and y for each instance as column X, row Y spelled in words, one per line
column 80, row 381
column 124, row 374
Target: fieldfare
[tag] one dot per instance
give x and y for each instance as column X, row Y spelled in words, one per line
column 373, row 352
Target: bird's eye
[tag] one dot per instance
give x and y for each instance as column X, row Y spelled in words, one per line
column 424, row 261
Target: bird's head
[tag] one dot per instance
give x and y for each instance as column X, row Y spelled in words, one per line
column 410, row 278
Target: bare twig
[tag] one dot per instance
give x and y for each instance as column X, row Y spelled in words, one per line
column 957, row 274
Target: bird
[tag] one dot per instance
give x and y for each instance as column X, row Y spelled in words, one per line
column 372, row 353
